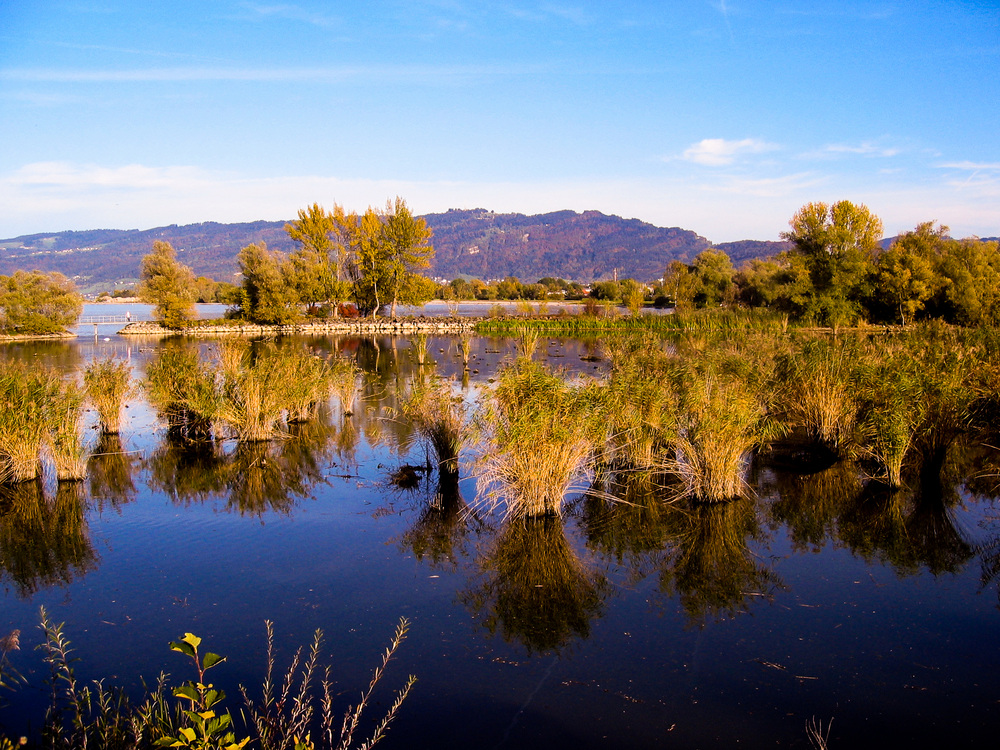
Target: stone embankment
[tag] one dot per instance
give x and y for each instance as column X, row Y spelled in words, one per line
column 355, row 327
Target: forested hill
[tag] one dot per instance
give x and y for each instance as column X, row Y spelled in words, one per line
column 476, row 243
column 582, row 247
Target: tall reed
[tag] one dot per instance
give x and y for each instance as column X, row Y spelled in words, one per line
column 26, row 395
column 183, row 390
column 539, row 432
column 64, row 415
column 818, row 387
column 108, row 383
column 344, row 383
column 721, row 417
column 252, row 396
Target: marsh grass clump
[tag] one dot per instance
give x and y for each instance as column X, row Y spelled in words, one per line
column 26, row 412
column 309, row 383
column 182, row 389
column 253, row 391
column 108, row 383
column 344, row 375
column 439, row 417
column 892, row 407
column 539, row 432
column 64, row 436
column 818, row 388
column 722, row 416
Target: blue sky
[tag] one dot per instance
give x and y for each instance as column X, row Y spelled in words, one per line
column 723, row 117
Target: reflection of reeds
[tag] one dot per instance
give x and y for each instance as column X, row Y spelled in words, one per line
column 439, row 418
column 109, row 471
column 108, row 383
column 712, row 569
column 540, row 431
column 535, row 589
column 441, row 526
column 44, row 543
column 466, row 344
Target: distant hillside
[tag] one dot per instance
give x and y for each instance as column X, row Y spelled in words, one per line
column 582, row 247
column 474, row 243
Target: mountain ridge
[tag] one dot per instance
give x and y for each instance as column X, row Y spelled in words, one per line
column 586, row 247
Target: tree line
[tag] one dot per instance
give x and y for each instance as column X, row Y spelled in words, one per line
column 344, row 262
column 837, row 273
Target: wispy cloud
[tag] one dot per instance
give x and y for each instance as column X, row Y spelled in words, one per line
column 972, row 166
column 290, row 12
column 429, row 74
column 719, row 152
column 865, row 148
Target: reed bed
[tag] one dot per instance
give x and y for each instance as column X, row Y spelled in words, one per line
column 65, row 413
column 254, row 391
column 539, row 432
column 599, row 321
column 818, row 387
column 108, row 383
column 439, row 417
column 344, row 375
column 183, row 391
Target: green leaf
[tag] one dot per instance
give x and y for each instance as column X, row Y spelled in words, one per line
column 191, row 638
column 212, row 659
column 187, row 691
column 184, row 648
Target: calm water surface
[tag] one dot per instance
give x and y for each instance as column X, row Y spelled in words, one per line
column 620, row 625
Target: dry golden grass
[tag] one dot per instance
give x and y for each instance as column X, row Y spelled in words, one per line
column 108, row 383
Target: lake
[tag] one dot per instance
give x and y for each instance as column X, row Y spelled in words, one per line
column 625, row 625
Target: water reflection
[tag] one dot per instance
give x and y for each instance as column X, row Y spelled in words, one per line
column 44, row 542
column 441, row 532
column 710, row 567
column 110, row 472
column 534, row 589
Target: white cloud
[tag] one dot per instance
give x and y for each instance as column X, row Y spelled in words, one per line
column 866, row 148
column 972, row 166
column 53, row 196
column 718, row 152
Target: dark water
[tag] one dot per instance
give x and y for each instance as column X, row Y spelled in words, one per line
column 620, row 625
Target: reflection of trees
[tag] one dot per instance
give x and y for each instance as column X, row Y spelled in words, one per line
column 710, row 567
column 534, row 589
column 43, row 543
column 110, row 471
column 441, row 529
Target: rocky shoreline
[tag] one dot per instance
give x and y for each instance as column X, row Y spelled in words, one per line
column 357, row 327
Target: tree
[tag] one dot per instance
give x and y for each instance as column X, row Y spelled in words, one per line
column 713, row 274
column 679, row 284
column 168, row 285
column 970, row 282
column 904, row 274
column 266, row 294
column 408, row 249
column 837, row 243
column 35, row 303
column 319, row 266
column 389, row 246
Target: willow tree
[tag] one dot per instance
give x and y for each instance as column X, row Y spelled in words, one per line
column 837, row 243
column 391, row 245
column 34, row 302
column 319, row 266
column 168, row 285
